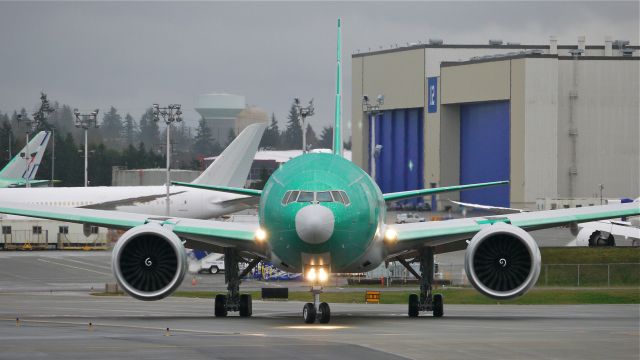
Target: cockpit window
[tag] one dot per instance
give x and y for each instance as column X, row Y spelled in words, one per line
column 305, row 196
column 289, row 197
column 345, row 198
column 285, row 198
column 324, row 196
column 319, row 196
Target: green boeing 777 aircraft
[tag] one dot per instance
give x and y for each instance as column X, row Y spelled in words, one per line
column 320, row 214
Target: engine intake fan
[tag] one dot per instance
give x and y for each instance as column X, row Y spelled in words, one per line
column 149, row 262
column 502, row 261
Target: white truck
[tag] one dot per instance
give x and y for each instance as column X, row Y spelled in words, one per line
column 409, row 218
column 213, row 263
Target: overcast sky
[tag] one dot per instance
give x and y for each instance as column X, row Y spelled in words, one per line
column 130, row 55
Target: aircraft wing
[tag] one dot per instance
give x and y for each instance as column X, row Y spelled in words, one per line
column 451, row 235
column 493, row 209
column 425, row 192
column 201, row 234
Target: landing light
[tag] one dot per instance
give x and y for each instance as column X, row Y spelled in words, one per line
column 311, row 275
column 260, row 235
column 317, row 273
column 391, row 235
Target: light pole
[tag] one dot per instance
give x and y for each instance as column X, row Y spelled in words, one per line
column 304, row 112
column 86, row 121
column 169, row 114
column 601, row 186
column 372, row 111
column 38, row 117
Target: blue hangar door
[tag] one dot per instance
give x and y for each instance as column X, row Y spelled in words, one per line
column 399, row 165
column 484, row 151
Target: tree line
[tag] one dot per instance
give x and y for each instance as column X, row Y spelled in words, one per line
column 133, row 144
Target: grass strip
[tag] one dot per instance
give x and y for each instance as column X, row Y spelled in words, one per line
column 545, row 296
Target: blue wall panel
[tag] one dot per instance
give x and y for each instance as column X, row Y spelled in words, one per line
column 399, row 166
column 485, row 151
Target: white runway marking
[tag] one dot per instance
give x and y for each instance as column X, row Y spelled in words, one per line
column 74, row 267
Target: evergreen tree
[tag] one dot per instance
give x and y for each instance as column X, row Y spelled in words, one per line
column 271, row 137
column 112, row 128
column 130, row 130
column 203, row 145
column 312, row 139
column 149, row 130
column 326, row 138
column 7, row 141
column 293, row 133
column 230, row 137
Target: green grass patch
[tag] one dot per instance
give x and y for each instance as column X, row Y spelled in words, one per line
column 590, row 255
column 544, row 296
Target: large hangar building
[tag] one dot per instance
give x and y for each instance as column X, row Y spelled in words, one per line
column 555, row 120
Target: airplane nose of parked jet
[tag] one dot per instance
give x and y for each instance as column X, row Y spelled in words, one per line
column 314, row 224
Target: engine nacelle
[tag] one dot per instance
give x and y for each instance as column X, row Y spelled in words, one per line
column 149, row 262
column 502, row 261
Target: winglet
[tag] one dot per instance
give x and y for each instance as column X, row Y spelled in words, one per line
column 231, row 168
column 424, row 192
column 337, row 129
column 229, row 189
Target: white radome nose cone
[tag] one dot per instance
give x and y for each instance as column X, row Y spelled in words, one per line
column 314, row 224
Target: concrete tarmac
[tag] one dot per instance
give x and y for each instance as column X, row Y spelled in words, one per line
column 57, row 326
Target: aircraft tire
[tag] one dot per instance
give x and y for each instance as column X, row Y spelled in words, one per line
column 324, row 313
column 309, row 313
column 438, row 305
column 414, row 305
column 220, row 308
column 246, row 308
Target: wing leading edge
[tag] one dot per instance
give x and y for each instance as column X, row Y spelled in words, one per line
column 206, row 233
column 451, row 234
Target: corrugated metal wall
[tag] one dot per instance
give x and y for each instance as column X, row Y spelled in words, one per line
column 399, row 166
column 485, row 151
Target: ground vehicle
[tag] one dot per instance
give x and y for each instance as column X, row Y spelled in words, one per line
column 409, row 218
column 213, row 263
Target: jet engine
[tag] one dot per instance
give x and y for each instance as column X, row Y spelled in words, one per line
column 502, row 261
column 593, row 238
column 149, row 262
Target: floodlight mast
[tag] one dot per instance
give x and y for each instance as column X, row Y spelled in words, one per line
column 85, row 121
column 304, row 112
column 372, row 111
column 39, row 116
column 169, row 114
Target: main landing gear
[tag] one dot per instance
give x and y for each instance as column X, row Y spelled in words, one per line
column 426, row 301
column 317, row 310
column 234, row 301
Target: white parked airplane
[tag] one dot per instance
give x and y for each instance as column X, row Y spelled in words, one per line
column 17, row 171
column 230, row 169
column 593, row 233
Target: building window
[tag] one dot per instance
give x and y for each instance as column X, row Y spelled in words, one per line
column 63, row 229
column 94, row 229
column 37, row 230
column 6, row 230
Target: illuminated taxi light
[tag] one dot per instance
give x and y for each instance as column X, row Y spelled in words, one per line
column 311, row 275
column 391, row 235
column 260, row 235
column 322, row 275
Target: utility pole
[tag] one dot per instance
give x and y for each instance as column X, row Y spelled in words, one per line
column 39, row 116
column 304, row 112
column 86, row 121
column 372, row 111
column 169, row 114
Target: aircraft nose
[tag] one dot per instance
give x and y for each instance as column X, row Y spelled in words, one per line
column 314, row 224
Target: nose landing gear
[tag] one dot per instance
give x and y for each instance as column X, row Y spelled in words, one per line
column 317, row 310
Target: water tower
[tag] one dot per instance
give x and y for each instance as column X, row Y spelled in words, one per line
column 220, row 112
